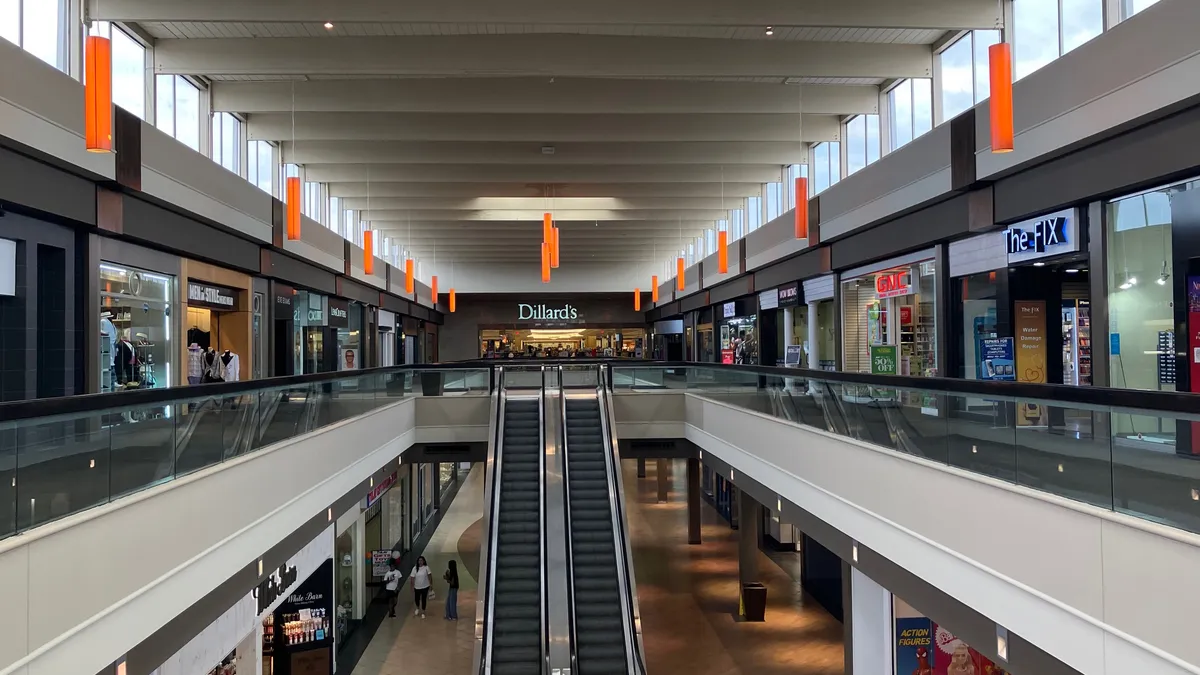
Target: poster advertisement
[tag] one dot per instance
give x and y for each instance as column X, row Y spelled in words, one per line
column 792, row 355
column 1029, row 326
column 996, row 359
column 914, row 646
column 380, row 562
column 952, row 656
column 1192, row 353
column 348, row 359
column 885, row 360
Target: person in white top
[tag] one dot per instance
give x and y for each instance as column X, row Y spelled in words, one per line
column 420, row 576
column 391, row 582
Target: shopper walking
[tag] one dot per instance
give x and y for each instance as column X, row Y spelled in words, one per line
column 391, row 582
column 421, row 582
column 451, row 577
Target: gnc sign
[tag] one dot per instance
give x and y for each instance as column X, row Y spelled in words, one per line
column 893, row 283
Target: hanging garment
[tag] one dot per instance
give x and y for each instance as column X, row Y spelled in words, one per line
column 199, row 337
column 125, row 361
column 231, row 366
column 195, row 364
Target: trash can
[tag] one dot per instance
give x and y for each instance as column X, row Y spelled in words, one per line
column 432, row 382
column 754, row 602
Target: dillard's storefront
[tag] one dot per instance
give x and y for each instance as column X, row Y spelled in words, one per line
column 581, row 324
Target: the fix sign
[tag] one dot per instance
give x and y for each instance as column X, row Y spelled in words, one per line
column 1038, row 238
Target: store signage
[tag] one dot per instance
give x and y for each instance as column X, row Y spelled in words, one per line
column 211, row 296
column 1050, row 235
column 527, row 312
column 768, row 299
column 283, row 298
column 377, row 491
column 893, row 283
column 275, row 586
column 729, row 310
column 1192, row 353
column 1029, row 324
column 995, row 359
column 885, row 360
column 789, row 295
column 339, row 313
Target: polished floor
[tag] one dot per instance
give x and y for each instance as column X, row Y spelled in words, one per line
column 688, row 597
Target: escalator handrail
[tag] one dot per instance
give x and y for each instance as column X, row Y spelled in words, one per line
column 545, row 630
column 491, row 511
column 567, row 517
column 630, row 610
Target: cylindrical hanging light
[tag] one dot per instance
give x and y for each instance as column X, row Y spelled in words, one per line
column 654, row 288
column 368, row 252
column 545, row 262
column 801, row 208
column 679, row 273
column 637, row 299
column 547, row 226
column 433, row 289
column 97, row 95
column 410, row 283
column 1001, row 101
column 554, row 247
column 452, row 299
column 293, row 208
column 722, row 252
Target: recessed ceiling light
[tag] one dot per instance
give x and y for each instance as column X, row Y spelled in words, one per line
column 1071, row 271
column 328, row 25
column 1039, row 264
column 770, row 30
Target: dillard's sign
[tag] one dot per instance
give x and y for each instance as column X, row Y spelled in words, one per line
column 527, row 312
column 274, row 586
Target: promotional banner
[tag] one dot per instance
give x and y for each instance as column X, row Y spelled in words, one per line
column 914, row 646
column 885, row 360
column 995, row 359
column 952, row 656
column 1029, row 326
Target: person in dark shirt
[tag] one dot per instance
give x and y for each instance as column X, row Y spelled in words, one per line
column 451, row 577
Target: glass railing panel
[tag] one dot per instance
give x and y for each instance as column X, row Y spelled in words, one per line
column 580, row 376
column 141, row 450
column 8, row 481
column 516, row 377
column 1156, row 466
column 982, row 437
column 1057, row 451
column 62, row 465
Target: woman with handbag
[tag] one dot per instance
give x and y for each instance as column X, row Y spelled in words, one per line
column 451, row 577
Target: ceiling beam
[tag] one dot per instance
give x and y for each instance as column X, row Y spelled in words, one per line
column 546, row 55
column 540, row 96
column 529, row 173
column 563, row 154
column 485, row 189
column 535, row 215
column 559, row 205
column 578, row 128
column 833, row 13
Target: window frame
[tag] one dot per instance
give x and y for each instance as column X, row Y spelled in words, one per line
column 63, row 39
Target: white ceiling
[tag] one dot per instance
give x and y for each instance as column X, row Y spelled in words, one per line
column 660, row 111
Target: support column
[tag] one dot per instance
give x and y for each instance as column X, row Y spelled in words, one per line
column 664, row 480
column 789, row 327
column 693, row 499
column 814, row 358
column 869, row 626
column 641, row 466
column 749, row 524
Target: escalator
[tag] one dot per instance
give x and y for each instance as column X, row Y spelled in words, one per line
column 597, row 565
column 515, row 614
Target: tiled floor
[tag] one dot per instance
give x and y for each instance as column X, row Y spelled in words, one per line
column 688, row 596
column 407, row 645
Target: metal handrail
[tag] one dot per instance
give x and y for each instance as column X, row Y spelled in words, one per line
column 545, row 632
column 567, row 515
column 485, row 603
column 631, row 611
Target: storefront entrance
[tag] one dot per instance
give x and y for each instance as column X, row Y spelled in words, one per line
column 136, row 350
column 888, row 320
column 628, row 342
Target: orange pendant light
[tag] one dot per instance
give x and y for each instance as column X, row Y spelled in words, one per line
column 722, row 252
column 545, row 263
column 637, row 299
column 97, row 95
column 547, row 226
column 452, row 301
column 410, row 283
column 679, row 273
column 1001, row 96
column 293, row 208
column 554, row 247
column 654, row 288
column 801, row 208
column 433, row 289
column 369, row 252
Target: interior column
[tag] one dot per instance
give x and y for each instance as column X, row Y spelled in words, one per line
column 814, row 358
column 693, row 499
column 664, row 482
column 749, row 524
column 871, row 642
column 641, row 467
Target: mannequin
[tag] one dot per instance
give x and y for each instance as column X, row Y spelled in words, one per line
column 125, row 360
column 211, row 367
column 230, row 366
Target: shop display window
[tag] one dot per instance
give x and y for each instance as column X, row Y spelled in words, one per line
column 136, row 348
column 891, row 308
column 347, row 613
column 739, row 340
column 446, row 476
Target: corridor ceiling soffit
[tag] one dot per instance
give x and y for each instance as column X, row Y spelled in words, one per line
column 540, row 128
column 560, row 154
column 960, row 14
column 541, row 96
column 377, row 215
column 486, row 189
column 564, row 206
column 530, row 173
column 526, row 55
